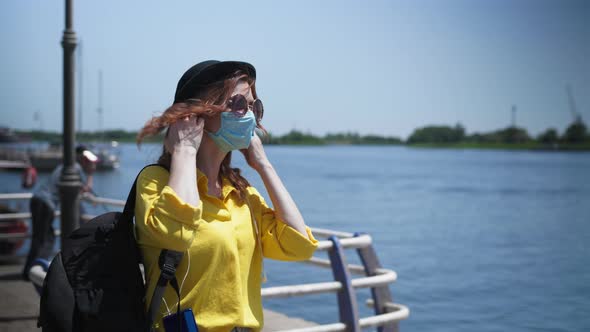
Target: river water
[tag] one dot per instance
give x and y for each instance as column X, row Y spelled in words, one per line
column 481, row 240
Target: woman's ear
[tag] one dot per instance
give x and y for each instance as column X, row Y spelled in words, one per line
column 212, row 123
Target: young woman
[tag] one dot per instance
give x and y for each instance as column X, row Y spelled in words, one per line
column 206, row 209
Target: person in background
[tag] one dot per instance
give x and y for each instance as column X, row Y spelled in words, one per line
column 45, row 202
column 206, row 209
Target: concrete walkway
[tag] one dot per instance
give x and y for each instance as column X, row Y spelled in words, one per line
column 19, row 306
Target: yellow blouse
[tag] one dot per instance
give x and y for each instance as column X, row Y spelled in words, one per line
column 220, row 272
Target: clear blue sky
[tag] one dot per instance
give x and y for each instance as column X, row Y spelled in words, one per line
column 383, row 67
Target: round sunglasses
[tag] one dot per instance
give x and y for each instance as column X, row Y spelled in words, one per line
column 238, row 105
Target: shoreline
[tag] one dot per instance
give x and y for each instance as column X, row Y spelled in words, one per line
column 563, row 147
column 536, row 147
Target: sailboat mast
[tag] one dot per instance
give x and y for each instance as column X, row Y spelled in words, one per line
column 572, row 104
column 100, row 104
column 513, row 111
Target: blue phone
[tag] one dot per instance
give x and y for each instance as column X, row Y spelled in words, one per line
column 186, row 320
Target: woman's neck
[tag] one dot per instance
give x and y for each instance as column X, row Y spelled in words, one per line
column 209, row 159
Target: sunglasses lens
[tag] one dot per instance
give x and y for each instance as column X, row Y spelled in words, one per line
column 258, row 109
column 239, row 104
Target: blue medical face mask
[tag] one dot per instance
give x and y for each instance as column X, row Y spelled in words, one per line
column 235, row 132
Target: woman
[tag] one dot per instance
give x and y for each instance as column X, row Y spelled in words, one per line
column 206, row 209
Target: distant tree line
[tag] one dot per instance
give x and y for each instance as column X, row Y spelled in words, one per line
column 85, row 136
column 294, row 137
column 299, row 138
column 575, row 133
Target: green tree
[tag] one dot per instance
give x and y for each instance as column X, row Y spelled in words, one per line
column 575, row 133
column 549, row 136
column 438, row 134
column 295, row 137
column 514, row 135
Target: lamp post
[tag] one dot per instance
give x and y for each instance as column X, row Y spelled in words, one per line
column 69, row 182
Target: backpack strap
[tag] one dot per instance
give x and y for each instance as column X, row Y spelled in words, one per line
column 129, row 209
column 168, row 261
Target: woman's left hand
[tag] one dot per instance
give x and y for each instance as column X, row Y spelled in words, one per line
column 255, row 155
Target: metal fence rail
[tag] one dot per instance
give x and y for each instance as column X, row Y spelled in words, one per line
column 373, row 276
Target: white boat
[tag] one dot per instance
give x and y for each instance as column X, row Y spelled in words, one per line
column 108, row 155
column 47, row 160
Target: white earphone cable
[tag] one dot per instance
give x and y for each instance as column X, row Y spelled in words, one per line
column 188, row 267
column 167, row 308
column 181, row 284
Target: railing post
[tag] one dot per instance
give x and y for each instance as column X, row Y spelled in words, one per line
column 347, row 305
column 381, row 295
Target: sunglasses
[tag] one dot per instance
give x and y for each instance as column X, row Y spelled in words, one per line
column 238, row 105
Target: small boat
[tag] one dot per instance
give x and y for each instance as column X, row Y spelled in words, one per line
column 14, row 226
column 12, row 158
column 108, row 155
column 46, row 160
column 7, row 135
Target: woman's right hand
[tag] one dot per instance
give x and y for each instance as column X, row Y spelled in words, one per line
column 182, row 142
column 185, row 133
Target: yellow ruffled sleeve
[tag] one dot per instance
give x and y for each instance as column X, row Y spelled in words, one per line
column 162, row 219
column 279, row 240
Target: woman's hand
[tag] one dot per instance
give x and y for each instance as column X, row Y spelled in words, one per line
column 185, row 133
column 255, row 155
column 182, row 142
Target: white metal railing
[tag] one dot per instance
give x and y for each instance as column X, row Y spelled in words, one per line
column 86, row 196
column 15, row 196
column 7, row 217
column 380, row 277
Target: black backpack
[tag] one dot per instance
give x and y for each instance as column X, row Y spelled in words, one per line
column 95, row 283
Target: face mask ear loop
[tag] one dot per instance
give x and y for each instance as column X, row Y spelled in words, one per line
column 258, row 239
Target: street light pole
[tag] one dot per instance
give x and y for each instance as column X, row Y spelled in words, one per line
column 70, row 182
